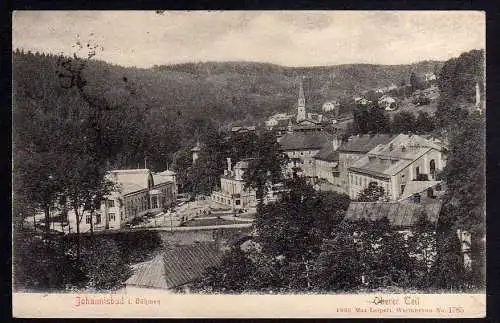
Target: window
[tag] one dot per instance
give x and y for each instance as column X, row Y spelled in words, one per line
column 432, row 167
column 237, row 202
column 112, row 217
column 111, row 203
column 402, row 188
column 88, row 218
column 417, row 171
column 302, row 153
column 97, row 218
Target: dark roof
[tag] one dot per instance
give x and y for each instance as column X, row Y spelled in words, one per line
column 305, row 140
column 399, row 214
column 327, row 153
column 365, row 143
column 177, row 267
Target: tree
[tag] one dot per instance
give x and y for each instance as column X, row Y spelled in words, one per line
column 372, row 193
column 370, row 119
column 417, row 82
column 464, row 174
column 230, row 276
column 338, row 266
column 266, row 167
column 403, row 122
column 424, row 123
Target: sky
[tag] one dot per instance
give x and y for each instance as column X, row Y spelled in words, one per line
column 291, row 38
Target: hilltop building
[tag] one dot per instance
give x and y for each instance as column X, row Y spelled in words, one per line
column 331, row 106
column 387, row 103
column 396, row 164
column 243, row 129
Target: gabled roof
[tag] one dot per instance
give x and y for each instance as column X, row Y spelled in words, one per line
column 186, row 263
column 416, row 187
column 177, row 267
column 364, row 143
column 399, row 214
column 163, row 177
column 389, row 159
column 130, row 180
column 305, row 140
column 327, row 153
column 149, row 274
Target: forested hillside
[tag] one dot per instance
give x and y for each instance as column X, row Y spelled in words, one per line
column 159, row 111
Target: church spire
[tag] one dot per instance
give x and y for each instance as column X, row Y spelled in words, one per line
column 301, row 106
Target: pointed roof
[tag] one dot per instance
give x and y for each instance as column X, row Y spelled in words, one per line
column 177, row 267
column 301, row 91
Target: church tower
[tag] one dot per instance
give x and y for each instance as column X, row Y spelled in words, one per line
column 301, row 107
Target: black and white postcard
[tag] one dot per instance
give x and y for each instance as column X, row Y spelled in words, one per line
column 248, row 164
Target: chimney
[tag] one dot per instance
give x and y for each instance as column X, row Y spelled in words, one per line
column 229, row 164
column 336, row 142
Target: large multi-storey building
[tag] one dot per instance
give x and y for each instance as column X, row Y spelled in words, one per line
column 301, row 148
column 395, row 164
column 232, row 191
column 136, row 192
column 354, row 149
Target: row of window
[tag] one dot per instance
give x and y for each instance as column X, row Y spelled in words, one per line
column 365, row 181
column 98, row 218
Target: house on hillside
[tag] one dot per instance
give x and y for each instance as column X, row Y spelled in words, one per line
column 331, row 106
column 387, row 103
column 354, row 149
column 361, row 101
column 243, row 129
column 395, row 164
column 174, row 270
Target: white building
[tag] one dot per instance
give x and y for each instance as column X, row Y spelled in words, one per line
column 394, row 165
column 232, row 191
column 137, row 192
column 331, row 106
column 355, row 148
